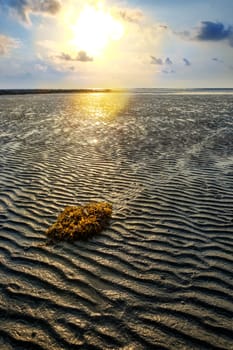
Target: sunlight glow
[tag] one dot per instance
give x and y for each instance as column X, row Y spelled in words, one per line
column 94, row 29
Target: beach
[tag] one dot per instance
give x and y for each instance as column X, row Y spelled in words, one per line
column 160, row 276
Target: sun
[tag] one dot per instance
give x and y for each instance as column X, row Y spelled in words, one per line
column 95, row 29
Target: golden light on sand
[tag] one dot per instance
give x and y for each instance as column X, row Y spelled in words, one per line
column 104, row 108
column 95, row 29
column 97, row 112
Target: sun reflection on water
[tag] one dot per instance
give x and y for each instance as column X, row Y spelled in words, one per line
column 98, row 107
column 93, row 141
column 92, row 117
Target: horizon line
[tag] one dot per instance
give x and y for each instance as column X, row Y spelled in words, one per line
column 25, row 91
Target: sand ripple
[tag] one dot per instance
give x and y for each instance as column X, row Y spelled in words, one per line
column 160, row 277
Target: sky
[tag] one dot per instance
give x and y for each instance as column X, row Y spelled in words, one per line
column 116, row 44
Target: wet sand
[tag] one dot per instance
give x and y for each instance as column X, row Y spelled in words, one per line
column 161, row 275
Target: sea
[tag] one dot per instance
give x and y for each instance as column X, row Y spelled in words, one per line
column 160, row 276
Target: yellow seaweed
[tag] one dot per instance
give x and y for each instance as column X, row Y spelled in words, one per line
column 80, row 222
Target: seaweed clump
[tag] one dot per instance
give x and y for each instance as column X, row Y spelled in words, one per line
column 80, row 222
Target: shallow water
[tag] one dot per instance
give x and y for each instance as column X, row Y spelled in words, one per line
column 161, row 276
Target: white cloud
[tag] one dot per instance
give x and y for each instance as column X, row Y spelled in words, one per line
column 7, row 44
column 40, row 67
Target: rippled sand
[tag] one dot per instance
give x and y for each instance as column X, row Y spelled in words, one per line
column 161, row 276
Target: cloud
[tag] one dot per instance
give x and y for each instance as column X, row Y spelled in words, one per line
column 185, row 34
column 168, row 61
column 40, row 67
column 130, row 15
column 81, row 56
column 209, row 31
column 23, row 8
column 163, row 26
column 165, row 71
column 213, row 31
column 159, row 61
column 6, row 44
column 186, row 62
column 66, row 57
column 216, row 59
column 155, row 60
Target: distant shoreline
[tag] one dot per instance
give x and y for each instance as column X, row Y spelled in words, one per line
column 122, row 90
column 50, row 91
